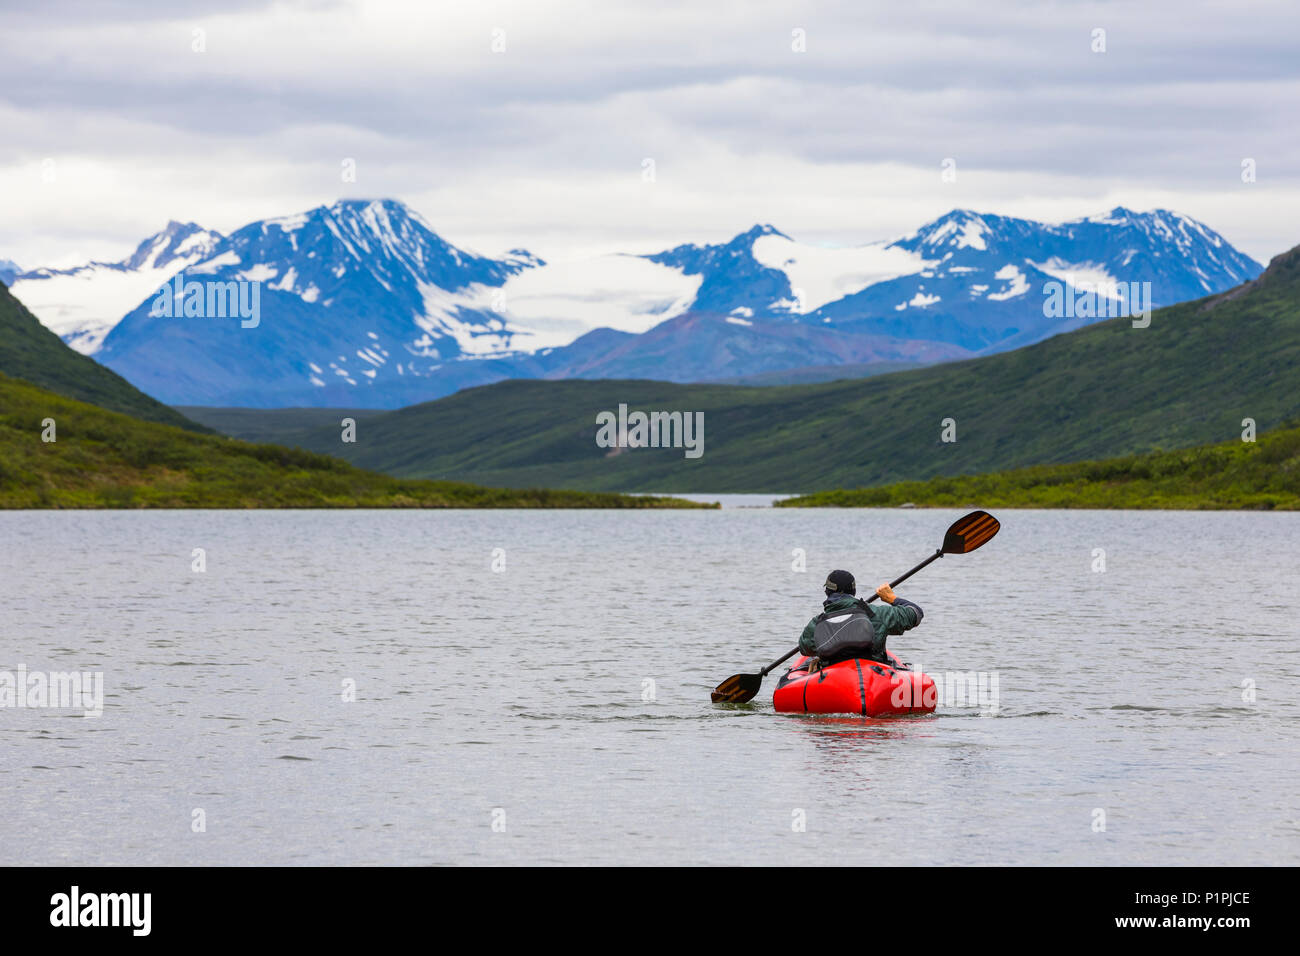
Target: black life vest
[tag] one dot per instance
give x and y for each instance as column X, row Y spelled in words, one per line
column 845, row 633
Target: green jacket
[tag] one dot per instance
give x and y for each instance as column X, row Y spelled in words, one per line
column 886, row 619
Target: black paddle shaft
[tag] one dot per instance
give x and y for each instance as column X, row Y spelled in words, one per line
column 893, row 584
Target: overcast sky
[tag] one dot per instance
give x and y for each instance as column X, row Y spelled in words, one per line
column 113, row 123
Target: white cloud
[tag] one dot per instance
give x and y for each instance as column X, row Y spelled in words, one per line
column 541, row 146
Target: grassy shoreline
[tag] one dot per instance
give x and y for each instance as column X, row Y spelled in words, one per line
column 1235, row 475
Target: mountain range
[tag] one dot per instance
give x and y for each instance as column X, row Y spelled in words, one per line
column 1194, row 375
column 363, row 305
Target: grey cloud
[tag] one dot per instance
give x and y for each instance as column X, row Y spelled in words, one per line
column 1184, row 91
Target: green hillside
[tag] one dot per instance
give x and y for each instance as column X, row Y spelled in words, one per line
column 819, row 373
column 30, row 351
column 1234, row 474
column 1103, row 391
column 103, row 459
column 276, row 425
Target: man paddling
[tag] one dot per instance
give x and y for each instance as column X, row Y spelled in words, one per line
column 849, row 627
column 964, row 535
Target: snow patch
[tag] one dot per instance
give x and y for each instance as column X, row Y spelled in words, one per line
column 1018, row 284
column 1087, row 276
column 919, row 301
column 963, row 233
column 972, row 235
column 260, row 273
column 441, row 319
column 824, row 275
column 556, row 303
column 287, row 283
column 209, row 266
column 287, row 223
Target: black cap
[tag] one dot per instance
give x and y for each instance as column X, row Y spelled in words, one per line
column 842, row 582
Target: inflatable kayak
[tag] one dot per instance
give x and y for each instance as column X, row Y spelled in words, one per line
column 855, row 686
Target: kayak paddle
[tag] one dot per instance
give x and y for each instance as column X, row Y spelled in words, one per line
column 964, row 536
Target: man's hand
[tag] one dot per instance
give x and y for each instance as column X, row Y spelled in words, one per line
column 886, row 593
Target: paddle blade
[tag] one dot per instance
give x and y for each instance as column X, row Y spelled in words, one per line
column 968, row 533
column 737, row 689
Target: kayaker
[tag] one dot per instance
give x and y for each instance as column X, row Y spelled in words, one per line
column 849, row 627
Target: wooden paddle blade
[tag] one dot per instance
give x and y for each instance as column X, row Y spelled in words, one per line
column 969, row 532
column 737, row 689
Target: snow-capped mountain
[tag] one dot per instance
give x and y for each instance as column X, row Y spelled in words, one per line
column 981, row 284
column 358, row 297
column 82, row 304
column 8, row 271
column 362, row 304
column 733, row 280
column 968, row 279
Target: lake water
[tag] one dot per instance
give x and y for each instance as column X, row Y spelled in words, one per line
column 556, row 710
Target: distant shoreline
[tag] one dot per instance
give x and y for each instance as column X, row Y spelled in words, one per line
column 1260, row 475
